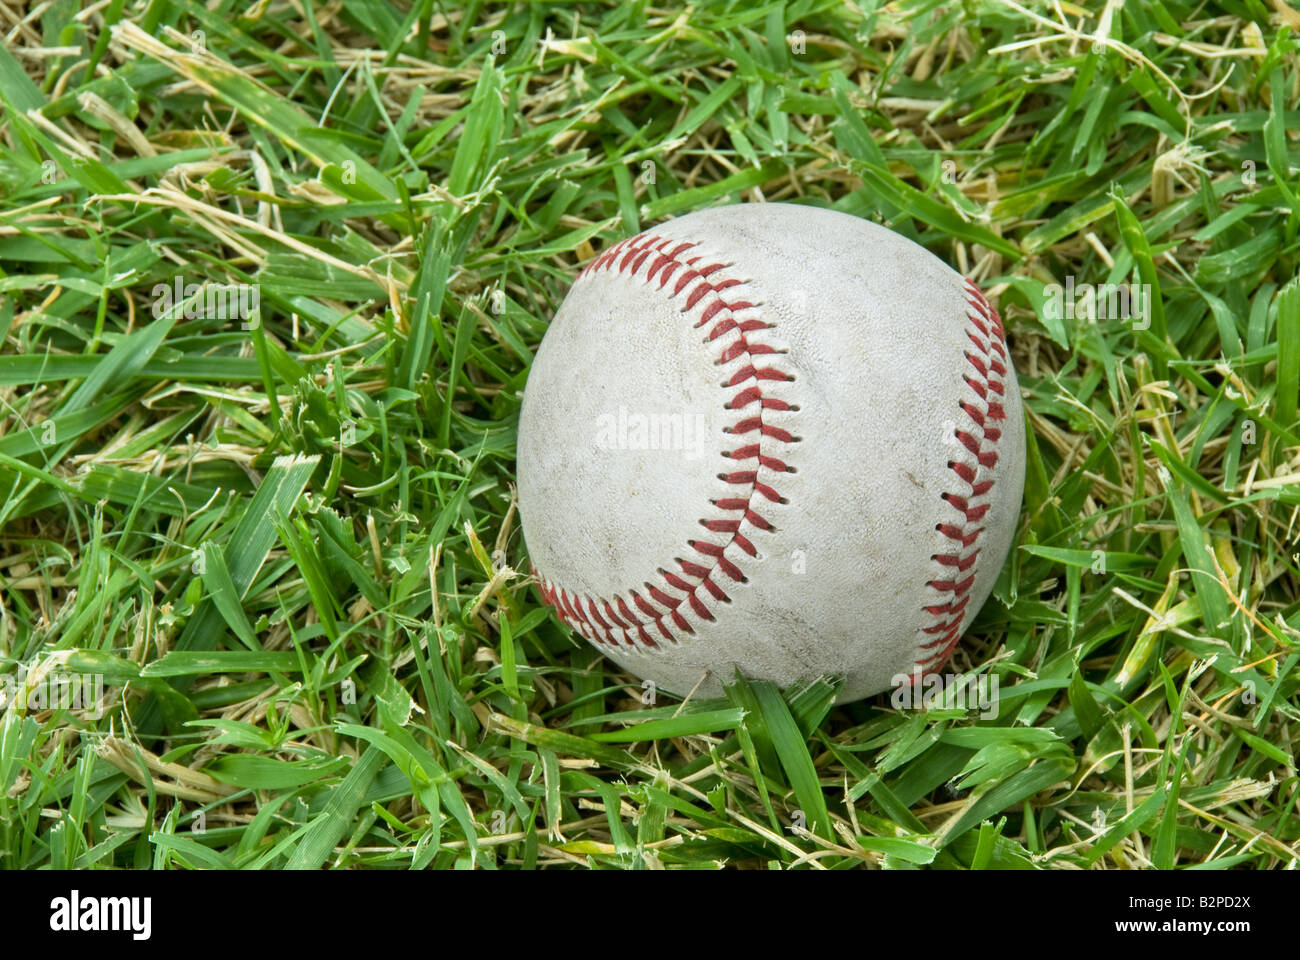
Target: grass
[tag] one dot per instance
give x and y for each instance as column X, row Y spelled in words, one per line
column 288, row 548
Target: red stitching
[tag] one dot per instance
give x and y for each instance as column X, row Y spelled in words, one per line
column 980, row 441
column 648, row 258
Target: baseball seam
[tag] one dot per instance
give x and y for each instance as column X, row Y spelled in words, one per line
column 957, row 569
column 657, row 608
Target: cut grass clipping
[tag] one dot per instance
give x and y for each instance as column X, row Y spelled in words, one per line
column 271, row 277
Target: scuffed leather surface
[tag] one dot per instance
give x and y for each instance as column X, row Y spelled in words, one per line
column 874, row 330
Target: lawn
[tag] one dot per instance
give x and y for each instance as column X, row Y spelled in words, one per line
column 271, row 278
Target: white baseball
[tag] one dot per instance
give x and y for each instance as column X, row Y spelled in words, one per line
column 775, row 438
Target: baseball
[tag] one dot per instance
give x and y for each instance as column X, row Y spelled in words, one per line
column 770, row 438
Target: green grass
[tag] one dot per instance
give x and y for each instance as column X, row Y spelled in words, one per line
column 290, row 552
